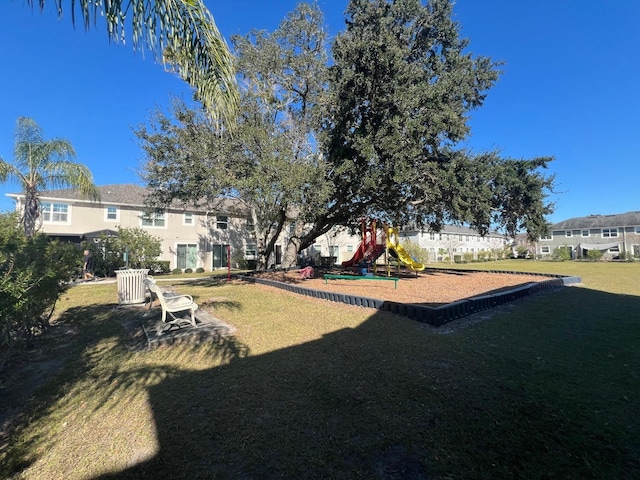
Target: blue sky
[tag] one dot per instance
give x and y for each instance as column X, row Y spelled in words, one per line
column 569, row 88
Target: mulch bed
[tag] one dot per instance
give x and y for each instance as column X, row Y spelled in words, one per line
column 431, row 287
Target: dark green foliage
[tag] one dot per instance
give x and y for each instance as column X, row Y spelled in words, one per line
column 403, row 83
column 33, row 273
column 176, row 271
column 199, row 270
column 376, row 131
column 159, row 266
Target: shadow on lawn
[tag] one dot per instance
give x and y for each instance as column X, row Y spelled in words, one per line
column 375, row 402
column 388, row 400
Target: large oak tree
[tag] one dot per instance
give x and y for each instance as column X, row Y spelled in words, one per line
column 383, row 136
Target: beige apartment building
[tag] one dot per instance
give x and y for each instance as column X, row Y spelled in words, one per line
column 199, row 238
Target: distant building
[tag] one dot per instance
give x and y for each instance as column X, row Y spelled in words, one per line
column 610, row 234
column 454, row 242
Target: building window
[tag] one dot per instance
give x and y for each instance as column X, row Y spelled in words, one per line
column 111, row 213
column 250, row 251
column 568, row 234
column 222, row 222
column 153, row 219
column 432, row 236
column 54, row 212
column 187, row 255
column 585, row 233
column 615, row 249
column 609, row 232
column 545, row 250
column 187, row 218
column 637, row 230
column 349, row 248
column 546, row 238
column 250, row 224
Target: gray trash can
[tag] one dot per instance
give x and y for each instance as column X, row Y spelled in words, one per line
column 131, row 287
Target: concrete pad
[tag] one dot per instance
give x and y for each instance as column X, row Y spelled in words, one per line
column 209, row 328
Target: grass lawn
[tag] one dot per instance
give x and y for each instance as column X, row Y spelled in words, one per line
column 548, row 387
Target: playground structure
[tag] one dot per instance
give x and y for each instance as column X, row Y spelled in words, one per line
column 370, row 250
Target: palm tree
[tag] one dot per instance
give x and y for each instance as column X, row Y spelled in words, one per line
column 180, row 32
column 41, row 164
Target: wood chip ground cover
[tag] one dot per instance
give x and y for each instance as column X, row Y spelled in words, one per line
column 429, row 287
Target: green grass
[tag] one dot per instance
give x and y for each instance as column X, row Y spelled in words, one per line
column 544, row 388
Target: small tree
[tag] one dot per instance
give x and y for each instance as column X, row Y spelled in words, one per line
column 141, row 247
column 418, row 253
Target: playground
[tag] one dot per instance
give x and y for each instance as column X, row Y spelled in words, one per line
column 380, row 256
column 432, row 287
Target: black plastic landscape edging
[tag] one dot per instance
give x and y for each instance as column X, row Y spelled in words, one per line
column 436, row 316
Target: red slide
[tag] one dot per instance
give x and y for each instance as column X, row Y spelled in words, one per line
column 357, row 257
column 369, row 253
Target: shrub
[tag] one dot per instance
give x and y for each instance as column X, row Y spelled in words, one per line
column 467, row 257
column 561, row 254
column 199, row 270
column 188, row 270
column 594, row 255
column 159, row 266
column 33, row 273
column 176, row 271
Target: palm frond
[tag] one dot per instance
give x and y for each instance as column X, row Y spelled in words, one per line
column 182, row 33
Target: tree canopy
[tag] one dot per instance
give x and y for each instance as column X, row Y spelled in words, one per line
column 182, row 33
column 270, row 163
column 376, row 129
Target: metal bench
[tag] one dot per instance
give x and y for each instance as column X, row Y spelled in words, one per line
column 172, row 303
column 356, row 277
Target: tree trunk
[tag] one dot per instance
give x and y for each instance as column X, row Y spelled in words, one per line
column 31, row 214
column 290, row 258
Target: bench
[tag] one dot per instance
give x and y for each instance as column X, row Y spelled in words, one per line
column 172, row 303
column 356, row 277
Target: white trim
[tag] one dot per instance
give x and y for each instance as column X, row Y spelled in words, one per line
column 106, row 213
column 153, row 216
column 53, row 222
column 192, row 217
column 611, row 231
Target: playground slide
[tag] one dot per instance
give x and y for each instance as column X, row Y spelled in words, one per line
column 364, row 253
column 357, row 257
column 405, row 258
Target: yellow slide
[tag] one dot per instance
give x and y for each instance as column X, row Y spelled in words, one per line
column 402, row 255
column 406, row 259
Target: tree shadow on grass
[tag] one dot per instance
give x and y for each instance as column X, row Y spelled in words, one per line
column 387, row 400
